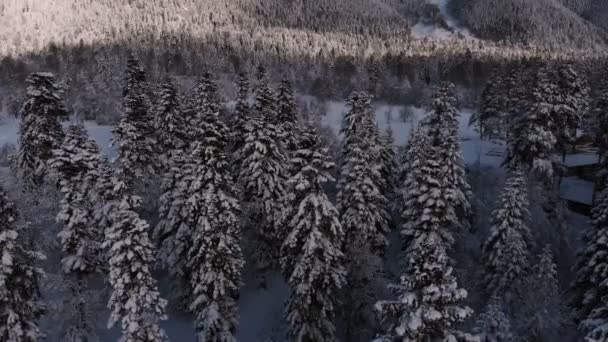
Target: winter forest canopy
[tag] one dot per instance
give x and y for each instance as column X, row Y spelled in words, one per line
column 381, row 171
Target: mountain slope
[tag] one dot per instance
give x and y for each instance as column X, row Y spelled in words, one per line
column 545, row 22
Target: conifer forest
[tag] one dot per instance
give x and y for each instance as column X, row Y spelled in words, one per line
column 304, row 170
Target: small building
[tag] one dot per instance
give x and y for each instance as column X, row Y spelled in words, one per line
column 578, row 193
column 578, row 185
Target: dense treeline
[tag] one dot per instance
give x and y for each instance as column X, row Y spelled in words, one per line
column 249, row 185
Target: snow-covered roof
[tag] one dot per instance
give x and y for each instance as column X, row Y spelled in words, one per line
column 577, row 190
column 581, row 159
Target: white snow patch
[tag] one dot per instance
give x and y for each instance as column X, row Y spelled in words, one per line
column 102, row 134
column 487, row 153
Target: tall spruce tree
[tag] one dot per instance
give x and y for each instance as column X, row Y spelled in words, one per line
column 81, row 235
column 591, row 284
column 39, row 131
column 413, row 156
column 311, row 256
column 442, row 123
column 242, row 113
column 363, row 214
column 287, row 117
column 361, row 178
column 388, row 162
column 80, row 238
column 597, row 120
column 135, row 301
column 490, row 119
column 214, row 258
column 571, row 104
column 505, row 251
column 493, row 325
column 173, row 229
column 134, row 134
column 426, row 307
column 532, row 142
column 20, row 306
column 171, row 125
column 263, row 175
column 542, row 300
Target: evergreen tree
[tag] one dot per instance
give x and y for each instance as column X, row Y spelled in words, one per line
column 171, row 126
column 287, row 117
column 135, row 300
column 265, row 104
column 263, row 175
column 442, row 128
column 134, row 133
column 207, row 98
column 363, row 214
column 413, row 156
column 491, row 117
column 312, row 259
column 173, row 229
column 80, row 238
column 242, row 113
column 591, row 286
column 20, row 308
column 597, row 121
column 505, row 251
column 387, row 161
column 214, row 258
column 532, row 140
column 426, row 307
column 542, row 297
column 493, row 325
column 361, row 179
column 39, row 131
column 572, row 103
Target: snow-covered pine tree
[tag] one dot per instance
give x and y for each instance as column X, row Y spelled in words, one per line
column 80, row 238
column 135, row 300
column 207, row 97
column 39, row 131
column 505, row 251
column 263, row 175
column 361, row 180
column 426, row 307
column 388, row 162
column 492, row 112
column 287, row 117
column 265, row 98
column 74, row 165
column 242, row 113
column 214, row 256
column 413, row 156
column 134, row 135
column 311, row 256
column 591, row 284
column 442, row 127
column 542, row 300
column 363, row 215
column 20, row 307
column 493, row 325
column 171, row 125
column 572, row 104
column 532, row 141
column 596, row 122
column 174, row 226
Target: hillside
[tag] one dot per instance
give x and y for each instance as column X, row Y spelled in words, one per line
column 547, row 22
column 299, row 26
